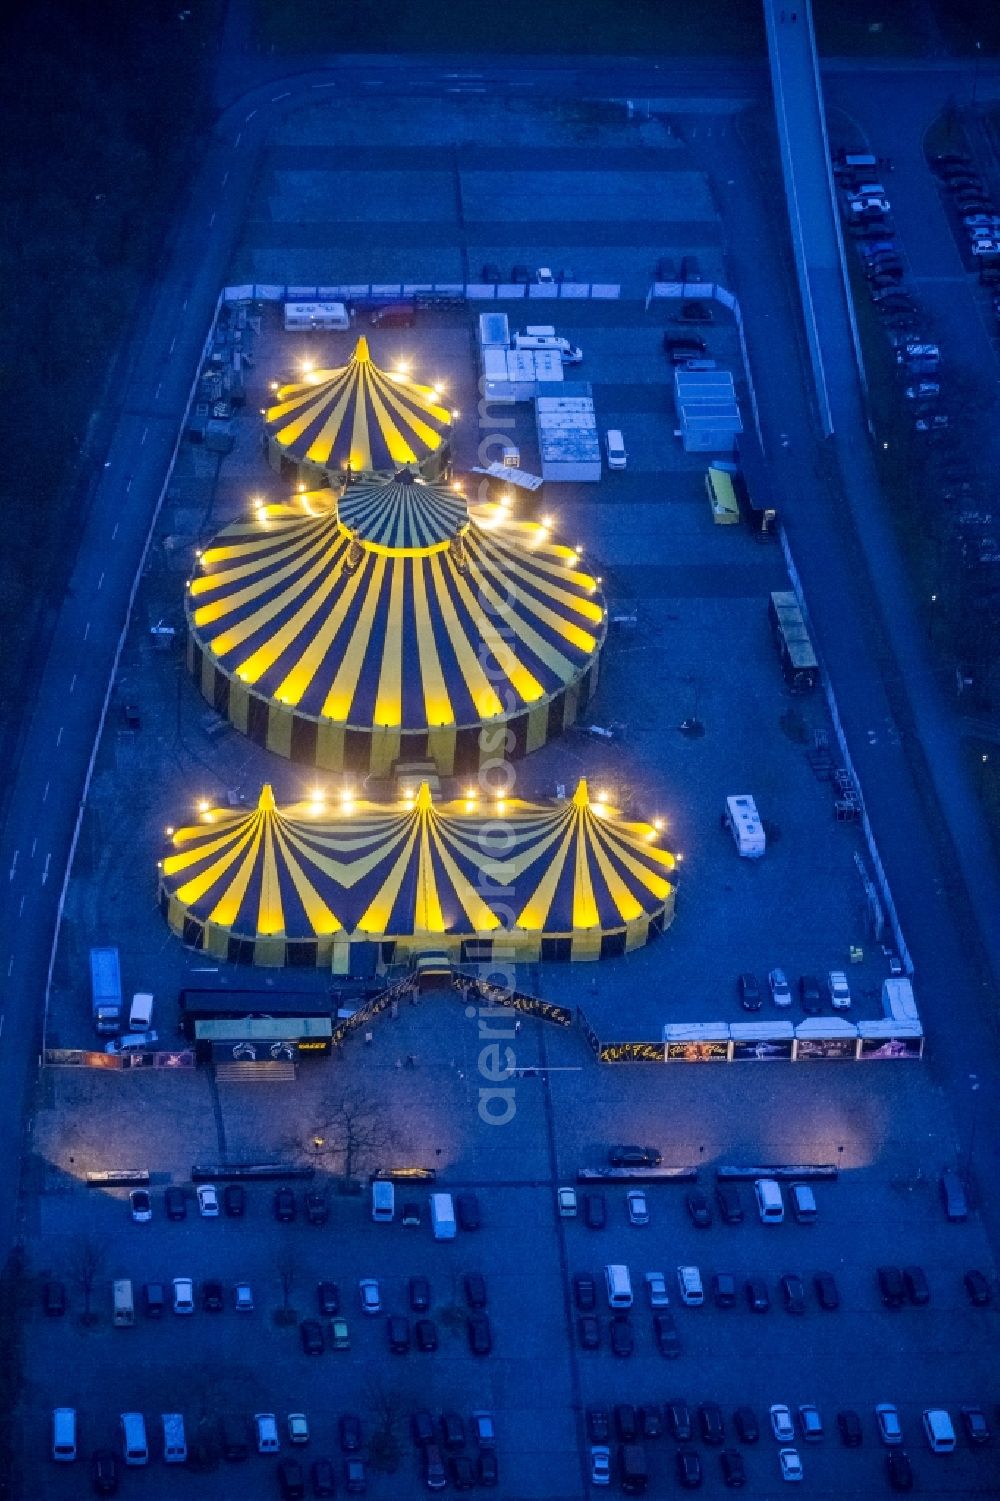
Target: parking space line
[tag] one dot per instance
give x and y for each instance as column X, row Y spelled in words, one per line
column 45, row 872
column 59, row 736
column 128, row 484
column 10, row 967
column 86, row 629
column 13, row 864
column 72, row 683
column 20, row 909
column 286, row 95
column 212, row 220
column 250, row 116
column 239, row 137
column 225, row 178
column 100, row 581
column 46, row 792
column 145, row 435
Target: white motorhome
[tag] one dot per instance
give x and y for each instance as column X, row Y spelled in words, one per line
column 543, row 336
column 307, row 315
column 744, row 823
column 443, row 1216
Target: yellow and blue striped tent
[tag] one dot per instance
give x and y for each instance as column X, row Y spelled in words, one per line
column 500, row 878
column 394, row 622
column 358, row 419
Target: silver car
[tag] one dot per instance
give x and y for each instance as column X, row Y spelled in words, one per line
column 781, row 993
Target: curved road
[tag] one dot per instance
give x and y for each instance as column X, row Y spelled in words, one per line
column 49, row 783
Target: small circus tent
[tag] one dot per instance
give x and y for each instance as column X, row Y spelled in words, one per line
column 357, row 419
column 567, row 879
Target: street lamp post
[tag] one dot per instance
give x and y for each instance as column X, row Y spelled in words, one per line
column 975, row 73
column 974, row 1087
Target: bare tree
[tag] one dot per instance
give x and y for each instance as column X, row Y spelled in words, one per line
column 287, row 1266
column 385, row 1449
column 86, row 1259
column 353, row 1132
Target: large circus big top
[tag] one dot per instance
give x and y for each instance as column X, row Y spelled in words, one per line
column 357, row 418
column 394, row 622
column 569, row 879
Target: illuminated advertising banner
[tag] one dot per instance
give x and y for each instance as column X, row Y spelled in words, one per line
column 826, row 1047
column 891, row 1047
column 714, row 1051
column 762, row 1049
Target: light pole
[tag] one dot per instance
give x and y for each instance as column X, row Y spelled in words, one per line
column 975, row 73
column 974, row 1087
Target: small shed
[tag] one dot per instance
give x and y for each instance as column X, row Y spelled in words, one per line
column 709, row 413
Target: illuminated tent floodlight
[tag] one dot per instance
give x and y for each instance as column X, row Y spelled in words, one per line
column 358, row 419
column 289, row 885
column 394, row 622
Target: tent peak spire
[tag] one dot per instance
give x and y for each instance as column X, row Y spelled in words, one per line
column 361, row 352
column 266, row 801
column 581, row 797
column 423, row 799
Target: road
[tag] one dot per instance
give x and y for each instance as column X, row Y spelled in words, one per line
column 48, row 783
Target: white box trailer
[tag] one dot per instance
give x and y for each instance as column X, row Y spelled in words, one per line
column 743, row 822
column 494, row 331
column 312, row 315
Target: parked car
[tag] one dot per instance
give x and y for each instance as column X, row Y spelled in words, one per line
column 284, row 1205
column 234, row 1200
column 490, row 273
column 688, row 1463
column 323, row 1476
column 887, row 1419
column 750, row 996
column 595, row 1211
column 141, row 1205
column 398, row 1334
column 213, row 1296
column 849, row 1426
column 631, row 1156
column 370, row 1295
column 711, row 1423
column 291, row 1480
column 977, row 1288
column 422, row 1428
column 584, row 1292
column 487, row 1468
column 426, row 1335
column 600, row 1464
column 420, row 1294
column 638, row 1208
column 298, row 1428
column 899, row 1471
column 793, row 1293
column 349, row 1431
column 467, row 1211
column 208, row 1201
column 183, row 1295
column 758, row 1298
column 791, row 1464
column 781, row 993
column 566, row 1203
column 175, row 1203
column 410, row 1216
column 727, row 1196
column 311, row 1335
column 668, row 1341
column 891, row 1288
column 781, row 1422
column 328, row 1298
column 622, row 1338
column 588, row 1331
column 243, row 1297
column 734, row 1471
column 656, row 1287
column 724, row 1290
column 678, row 1416
column 340, row 1338
column 104, row 1472
column 746, row 1425
column 698, row 1208
column 479, row 1334
column 827, row 1295
column 626, row 1423
column 598, row 1425
column 974, row 1421
column 266, row 1429
column 317, row 1208
column 953, row 1197
column 452, row 1430
column 810, row 997
column 916, row 1285
column 355, row 1476
column 810, row 1422
column 690, row 1285
column 475, row 1290
column 650, row 1420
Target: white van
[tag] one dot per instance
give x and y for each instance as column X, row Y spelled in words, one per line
column 443, row 1216
column 133, row 1042
column 770, row 1204
column 64, row 1434
column 744, row 823
column 383, row 1201
column 690, row 1286
column 617, row 457
column 619, row 1285
column 569, row 353
column 141, row 1012
column 174, row 1443
column 123, row 1303
column 938, row 1430
column 135, row 1450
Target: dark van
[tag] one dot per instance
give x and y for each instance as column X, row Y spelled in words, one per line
column 153, row 1300
column 233, row 1433
column 632, row 1469
column 394, row 315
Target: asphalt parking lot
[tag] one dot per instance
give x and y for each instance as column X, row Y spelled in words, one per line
column 700, row 649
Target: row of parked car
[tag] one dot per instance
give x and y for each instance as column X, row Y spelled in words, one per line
column 767, row 1192
column 974, row 204
column 812, row 992
column 634, row 1426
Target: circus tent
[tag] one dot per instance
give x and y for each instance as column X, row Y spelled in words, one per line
column 567, row 879
column 394, row 622
column 357, row 419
